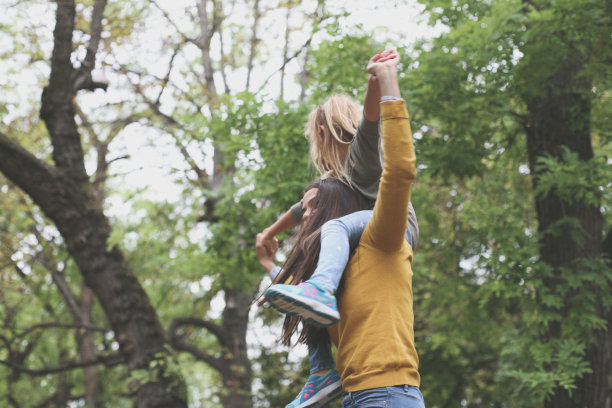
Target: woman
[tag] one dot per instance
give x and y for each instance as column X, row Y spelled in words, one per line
column 377, row 359
column 324, row 383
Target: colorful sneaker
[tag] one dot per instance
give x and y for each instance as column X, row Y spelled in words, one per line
column 318, row 391
column 307, row 300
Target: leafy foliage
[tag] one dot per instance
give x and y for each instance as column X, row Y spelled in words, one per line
column 469, row 93
column 482, row 303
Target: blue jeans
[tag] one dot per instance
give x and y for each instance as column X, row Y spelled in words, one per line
column 399, row 396
column 320, row 357
column 338, row 238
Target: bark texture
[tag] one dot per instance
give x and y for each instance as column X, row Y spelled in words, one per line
column 233, row 365
column 570, row 230
column 64, row 193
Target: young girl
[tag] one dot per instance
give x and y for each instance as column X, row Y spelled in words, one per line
column 355, row 160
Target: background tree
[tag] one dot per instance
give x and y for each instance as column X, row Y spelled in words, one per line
column 65, row 194
column 519, row 87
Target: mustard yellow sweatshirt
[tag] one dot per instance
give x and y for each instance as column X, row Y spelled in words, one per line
column 375, row 334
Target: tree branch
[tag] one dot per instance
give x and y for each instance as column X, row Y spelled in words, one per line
column 254, row 42
column 607, row 246
column 29, row 173
column 200, row 355
column 41, row 326
column 222, row 60
column 174, row 25
column 521, row 117
column 166, row 79
column 46, row 305
column 61, row 66
column 285, row 52
column 318, row 17
column 213, row 328
column 68, row 296
column 282, row 67
column 177, row 342
column 56, row 107
column 167, row 119
column 163, row 82
column 83, row 78
column 172, row 122
column 109, row 361
column 207, row 30
column 200, row 172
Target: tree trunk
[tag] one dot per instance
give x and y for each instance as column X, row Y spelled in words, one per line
column 237, row 376
column 81, row 314
column 88, row 352
column 66, row 196
column 233, row 365
column 561, row 118
column 254, row 42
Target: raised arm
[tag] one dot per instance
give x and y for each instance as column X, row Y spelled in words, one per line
column 365, row 165
column 371, row 102
column 388, row 225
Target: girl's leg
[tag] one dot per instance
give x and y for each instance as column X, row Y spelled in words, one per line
column 319, row 388
column 314, row 300
column 320, row 357
column 338, row 238
column 412, row 232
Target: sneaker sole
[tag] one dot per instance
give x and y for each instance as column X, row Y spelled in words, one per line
column 327, row 394
column 310, row 310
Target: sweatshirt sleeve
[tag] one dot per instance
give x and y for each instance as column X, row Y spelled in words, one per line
column 386, row 230
column 364, row 162
column 296, row 211
column 275, row 272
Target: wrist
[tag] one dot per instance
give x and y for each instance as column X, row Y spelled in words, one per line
column 382, row 71
column 267, row 263
column 389, row 86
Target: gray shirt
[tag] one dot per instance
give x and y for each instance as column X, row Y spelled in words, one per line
column 364, row 168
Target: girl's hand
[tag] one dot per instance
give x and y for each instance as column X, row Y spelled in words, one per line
column 388, row 59
column 265, row 249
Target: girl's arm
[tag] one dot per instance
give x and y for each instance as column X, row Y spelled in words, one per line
column 266, row 243
column 265, row 249
column 371, row 102
column 286, row 221
column 363, row 164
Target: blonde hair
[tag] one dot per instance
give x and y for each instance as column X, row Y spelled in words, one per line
column 330, row 130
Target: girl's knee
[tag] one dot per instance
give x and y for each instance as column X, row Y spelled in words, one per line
column 334, row 226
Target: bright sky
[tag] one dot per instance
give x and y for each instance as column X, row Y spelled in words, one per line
column 387, row 20
column 401, row 24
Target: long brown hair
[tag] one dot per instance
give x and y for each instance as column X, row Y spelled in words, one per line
column 334, row 199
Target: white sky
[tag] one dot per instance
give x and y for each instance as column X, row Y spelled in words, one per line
column 148, row 166
column 403, row 24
